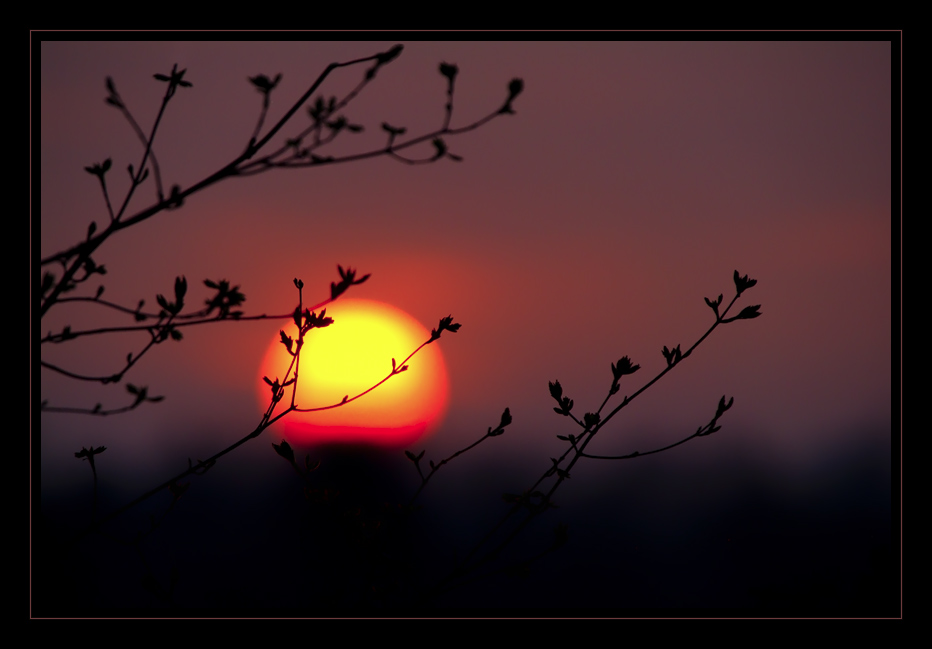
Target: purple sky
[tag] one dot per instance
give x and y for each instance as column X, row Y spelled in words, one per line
column 633, row 180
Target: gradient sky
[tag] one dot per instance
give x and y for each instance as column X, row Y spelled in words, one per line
column 633, row 180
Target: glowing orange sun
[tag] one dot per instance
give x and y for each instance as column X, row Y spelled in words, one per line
column 348, row 357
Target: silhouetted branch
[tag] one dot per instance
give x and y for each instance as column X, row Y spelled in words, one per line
column 304, row 157
column 71, row 335
column 305, row 321
column 88, row 454
column 159, row 332
column 703, row 431
column 141, row 396
column 226, row 298
column 99, row 171
column 397, row 368
column 536, row 501
column 137, row 178
column 235, row 167
column 326, row 124
column 416, row 459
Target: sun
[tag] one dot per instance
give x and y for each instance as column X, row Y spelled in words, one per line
column 348, row 357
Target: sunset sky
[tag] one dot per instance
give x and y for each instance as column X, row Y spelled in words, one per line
column 633, row 180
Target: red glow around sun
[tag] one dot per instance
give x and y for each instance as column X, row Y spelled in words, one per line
column 346, row 358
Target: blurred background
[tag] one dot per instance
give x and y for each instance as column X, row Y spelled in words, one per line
column 632, row 182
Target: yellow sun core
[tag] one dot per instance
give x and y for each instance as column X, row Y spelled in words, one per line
column 347, row 358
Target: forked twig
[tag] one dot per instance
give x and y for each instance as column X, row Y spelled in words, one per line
column 533, row 501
